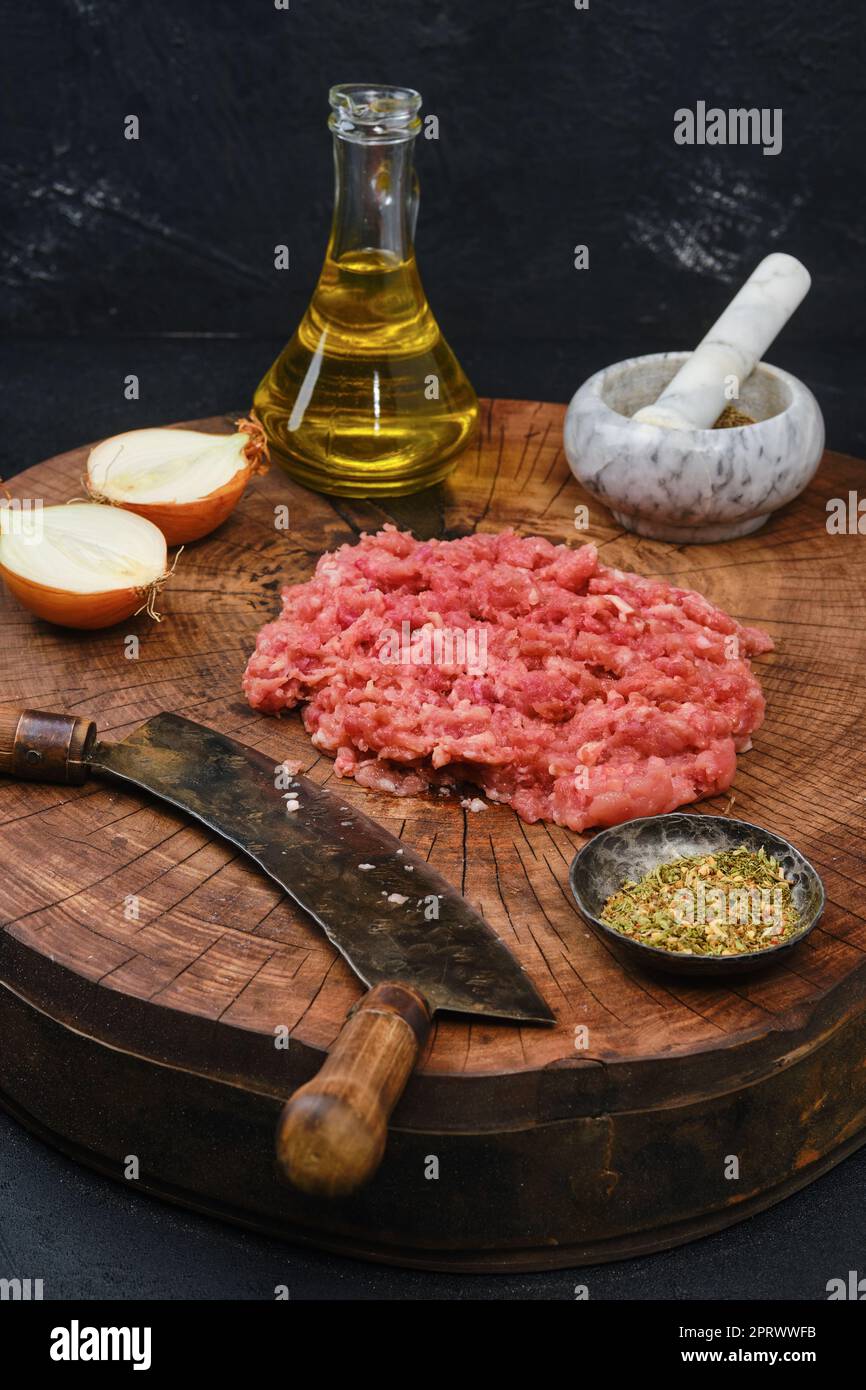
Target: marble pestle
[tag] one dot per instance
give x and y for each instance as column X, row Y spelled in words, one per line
column 701, row 389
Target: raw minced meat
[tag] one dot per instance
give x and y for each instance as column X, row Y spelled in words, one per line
column 584, row 695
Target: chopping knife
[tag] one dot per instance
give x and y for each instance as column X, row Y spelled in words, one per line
column 409, row 936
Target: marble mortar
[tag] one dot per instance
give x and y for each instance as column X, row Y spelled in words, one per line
column 692, row 485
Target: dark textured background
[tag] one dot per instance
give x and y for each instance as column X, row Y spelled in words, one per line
column 156, row 257
column 556, row 128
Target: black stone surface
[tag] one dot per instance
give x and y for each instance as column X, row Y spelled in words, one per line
column 555, row 129
column 155, row 257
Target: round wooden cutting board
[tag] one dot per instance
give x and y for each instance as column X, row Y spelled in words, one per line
column 149, row 974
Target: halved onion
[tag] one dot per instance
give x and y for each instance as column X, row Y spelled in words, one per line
column 82, row 565
column 184, row 481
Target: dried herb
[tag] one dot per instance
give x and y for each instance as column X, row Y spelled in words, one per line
column 708, row 905
column 732, row 417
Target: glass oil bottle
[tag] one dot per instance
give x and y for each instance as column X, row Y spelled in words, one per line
column 367, row 398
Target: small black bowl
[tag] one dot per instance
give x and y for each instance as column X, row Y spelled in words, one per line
column 635, row 848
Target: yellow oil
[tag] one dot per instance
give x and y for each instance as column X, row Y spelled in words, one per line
column 367, row 398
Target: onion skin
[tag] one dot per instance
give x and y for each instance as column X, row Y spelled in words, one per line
column 82, row 611
column 182, row 522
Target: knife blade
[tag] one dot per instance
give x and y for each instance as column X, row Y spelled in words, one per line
column 405, row 931
column 336, row 863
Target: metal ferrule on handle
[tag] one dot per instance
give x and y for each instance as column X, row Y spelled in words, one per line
column 40, row 747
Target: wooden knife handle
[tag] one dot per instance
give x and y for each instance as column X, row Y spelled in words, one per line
column 332, row 1133
column 40, row 747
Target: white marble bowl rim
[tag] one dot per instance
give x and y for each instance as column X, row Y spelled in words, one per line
column 797, row 391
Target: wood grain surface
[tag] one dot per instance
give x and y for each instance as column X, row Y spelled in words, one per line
column 214, row 938
column 227, row 959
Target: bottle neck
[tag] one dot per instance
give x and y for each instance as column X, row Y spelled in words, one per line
column 376, row 198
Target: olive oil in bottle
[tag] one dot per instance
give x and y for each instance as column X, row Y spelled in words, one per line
column 367, row 398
